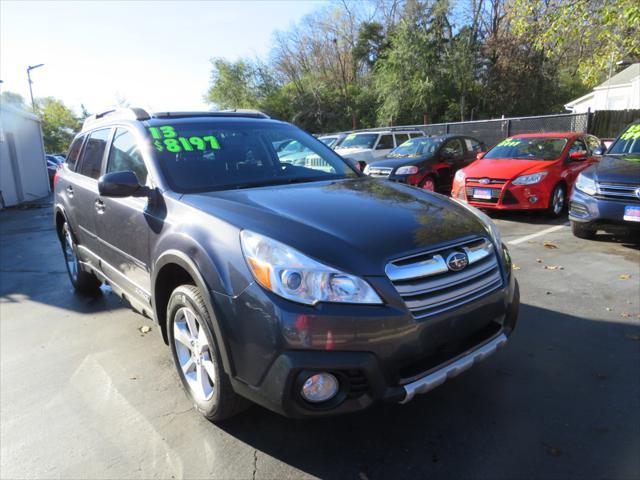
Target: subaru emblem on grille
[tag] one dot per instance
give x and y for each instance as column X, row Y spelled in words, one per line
column 637, row 192
column 456, row 261
column 484, row 181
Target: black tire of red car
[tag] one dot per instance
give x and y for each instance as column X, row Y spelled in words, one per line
column 558, row 201
column 428, row 183
column 581, row 230
column 83, row 282
column 222, row 402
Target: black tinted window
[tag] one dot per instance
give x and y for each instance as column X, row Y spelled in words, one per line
column 74, row 153
column 453, row 148
column 125, row 155
column 93, row 153
column 401, row 138
column 386, row 141
column 208, row 156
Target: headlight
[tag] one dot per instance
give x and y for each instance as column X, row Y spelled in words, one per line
column 294, row 276
column 409, row 170
column 586, row 185
column 366, row 170
column 460, row 176
column 529, row 179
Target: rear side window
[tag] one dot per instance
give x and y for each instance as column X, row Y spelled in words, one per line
column 93, row 153
column 74, row 153
column 124, row 155
column 401, row 138
column 386, row 142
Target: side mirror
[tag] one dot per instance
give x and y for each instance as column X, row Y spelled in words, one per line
column 480, row 155
column 578, row 156
column 599, row 150
column 118, row 184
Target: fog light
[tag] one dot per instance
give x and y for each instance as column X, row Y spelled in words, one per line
column 319, row 388
column 533, row 199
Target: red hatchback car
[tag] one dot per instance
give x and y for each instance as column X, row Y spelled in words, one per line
column 527, row 172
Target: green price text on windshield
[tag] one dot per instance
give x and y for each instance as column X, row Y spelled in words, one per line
column 633, row 133
column 166, row 138
column 509, row 142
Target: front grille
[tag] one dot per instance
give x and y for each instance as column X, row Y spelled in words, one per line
column 618, row 191
column 428, row 287
column 495, row 195
column 491, row 181
column 381, row 172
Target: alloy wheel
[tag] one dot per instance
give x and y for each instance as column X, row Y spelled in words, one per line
column 70, row 256
column 429, row 184
column 558, row 200
column 195, row 354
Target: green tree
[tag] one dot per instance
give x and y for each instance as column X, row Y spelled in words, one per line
column 233, row 84
column 11, row 98
column 589, row 34
column 59, row 124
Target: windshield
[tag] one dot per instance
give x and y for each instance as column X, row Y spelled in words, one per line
column 416, row 147
column 208, row 156
column 359, row 140
column 530, row 148
column 628, row 143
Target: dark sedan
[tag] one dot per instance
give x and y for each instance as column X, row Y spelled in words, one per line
column 428, row 162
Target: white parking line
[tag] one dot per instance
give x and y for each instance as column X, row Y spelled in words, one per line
column 537, row 234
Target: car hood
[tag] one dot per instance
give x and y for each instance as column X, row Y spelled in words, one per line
column 616, row 169
column 353, row 152
column 399, row 161
column 505, row 168
column 356, row 225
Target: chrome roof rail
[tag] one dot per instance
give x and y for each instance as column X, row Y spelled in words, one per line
column 128, row 113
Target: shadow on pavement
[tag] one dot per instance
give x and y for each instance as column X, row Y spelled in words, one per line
column 560, row 401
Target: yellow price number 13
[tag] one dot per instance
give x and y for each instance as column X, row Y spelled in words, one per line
column 166, row 138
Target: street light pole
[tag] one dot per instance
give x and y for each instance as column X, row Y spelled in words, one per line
column 29, row 68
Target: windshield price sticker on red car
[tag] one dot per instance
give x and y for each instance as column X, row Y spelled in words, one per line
column 632, row 134
column 166, row 138
column 509, row 142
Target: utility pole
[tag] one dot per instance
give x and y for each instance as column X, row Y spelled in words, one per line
column 29, row 68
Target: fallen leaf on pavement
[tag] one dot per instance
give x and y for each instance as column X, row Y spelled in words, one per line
column 145, row 329
column 625, row 276
column 516, row 267
column 554, row 267
column 608, row 309
column 625, row 315
column 548, row 293
column 549, row 245
column 539, row 260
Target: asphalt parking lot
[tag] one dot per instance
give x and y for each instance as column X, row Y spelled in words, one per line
column 85, row 394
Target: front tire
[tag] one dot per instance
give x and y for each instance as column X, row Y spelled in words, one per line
column 197, row 357
column 558, row 201
column 581, row 230
column 83, row 282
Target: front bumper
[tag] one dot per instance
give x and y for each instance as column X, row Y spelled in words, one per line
column 378, row 353
column 506, row 196
column 600, row 213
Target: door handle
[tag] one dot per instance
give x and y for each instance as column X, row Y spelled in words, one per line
column 99, row 205
column 69, row 190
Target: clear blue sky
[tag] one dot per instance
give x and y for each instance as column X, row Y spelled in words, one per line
column 152, row 53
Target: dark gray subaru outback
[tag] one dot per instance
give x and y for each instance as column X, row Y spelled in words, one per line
column 307, row 288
